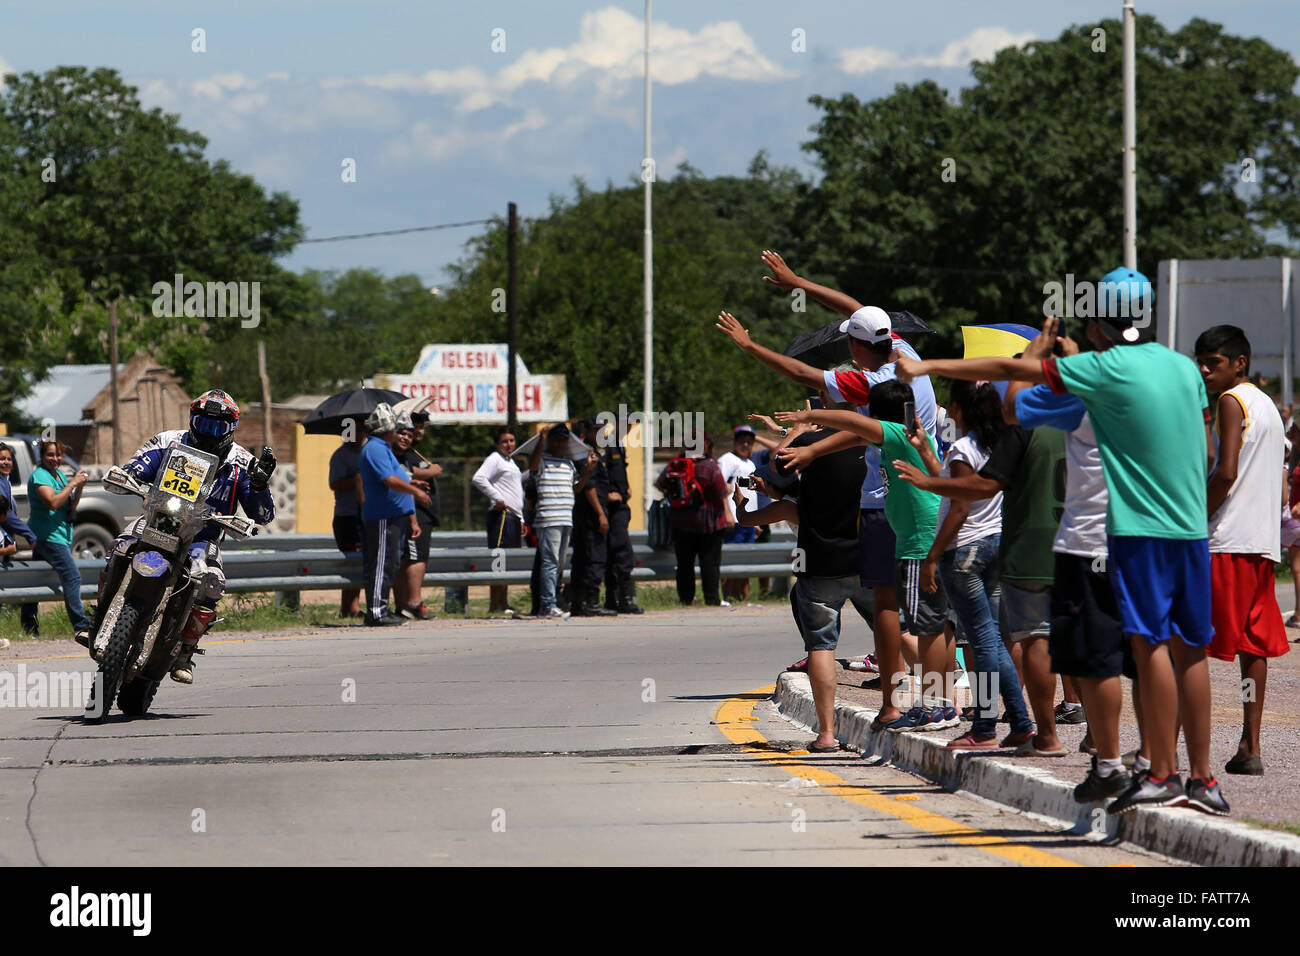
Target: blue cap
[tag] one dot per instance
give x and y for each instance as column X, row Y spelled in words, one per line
column 1124, row 302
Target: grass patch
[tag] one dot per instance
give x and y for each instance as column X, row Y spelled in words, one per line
column 1266, row 825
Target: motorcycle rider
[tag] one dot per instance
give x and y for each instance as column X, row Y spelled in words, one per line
column 242, row 480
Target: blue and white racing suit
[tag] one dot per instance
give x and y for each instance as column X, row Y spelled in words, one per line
column 231, row 490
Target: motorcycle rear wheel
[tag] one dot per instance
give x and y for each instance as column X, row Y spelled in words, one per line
column 112, row 665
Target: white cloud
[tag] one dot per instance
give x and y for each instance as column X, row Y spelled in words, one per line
column 610, row 42
column 980, row 44
column 422, row 142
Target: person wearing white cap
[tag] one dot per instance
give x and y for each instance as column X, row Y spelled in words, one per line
column 871, row 344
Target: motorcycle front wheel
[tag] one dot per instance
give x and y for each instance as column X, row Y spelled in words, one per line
column 136, row 695
column 112, row 665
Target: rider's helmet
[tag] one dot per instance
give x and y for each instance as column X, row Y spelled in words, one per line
column 214, row 416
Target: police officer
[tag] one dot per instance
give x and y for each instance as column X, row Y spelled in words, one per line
column 620, row 592
column 590, row 528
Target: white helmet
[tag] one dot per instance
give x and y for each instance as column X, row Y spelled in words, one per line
column 382, row 420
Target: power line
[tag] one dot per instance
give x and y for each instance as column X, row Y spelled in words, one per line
column 243, row 245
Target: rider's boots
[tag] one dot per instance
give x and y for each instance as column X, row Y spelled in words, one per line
column 198, row 624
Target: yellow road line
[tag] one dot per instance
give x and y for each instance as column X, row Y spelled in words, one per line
column 734, row 718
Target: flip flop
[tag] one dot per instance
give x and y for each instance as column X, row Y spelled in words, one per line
column 814, row 749
column 1028, row 749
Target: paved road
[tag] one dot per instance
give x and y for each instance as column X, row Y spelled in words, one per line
column 583, row 742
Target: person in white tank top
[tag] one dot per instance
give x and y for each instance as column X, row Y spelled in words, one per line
column 1242, row 498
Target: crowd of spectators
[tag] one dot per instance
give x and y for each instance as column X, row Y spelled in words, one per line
column 1087, row 516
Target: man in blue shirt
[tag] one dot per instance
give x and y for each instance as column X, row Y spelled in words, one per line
column 389, row 502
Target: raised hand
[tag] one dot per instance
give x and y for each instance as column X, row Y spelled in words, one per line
column 729, row 324
column 783, row 277
column 799, row 417
column 1042, row 345
column 906, row 369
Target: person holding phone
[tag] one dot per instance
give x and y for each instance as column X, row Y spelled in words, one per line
column 54, row 500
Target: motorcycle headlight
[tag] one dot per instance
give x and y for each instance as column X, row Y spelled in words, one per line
column 173, row 505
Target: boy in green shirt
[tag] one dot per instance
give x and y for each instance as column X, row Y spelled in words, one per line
column 913, row 515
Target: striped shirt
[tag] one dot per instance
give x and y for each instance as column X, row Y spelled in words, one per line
column 555, row 479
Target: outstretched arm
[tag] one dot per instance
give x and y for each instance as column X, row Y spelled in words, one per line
column 783, row 277
column 863, row 426
column 972, row 487
column 791, row 368
column 800, row 457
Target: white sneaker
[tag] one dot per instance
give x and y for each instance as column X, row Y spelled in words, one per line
column 554, row 613
column 4, row 642
column 724, row 603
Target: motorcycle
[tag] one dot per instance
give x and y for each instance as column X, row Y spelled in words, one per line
column 150, row 591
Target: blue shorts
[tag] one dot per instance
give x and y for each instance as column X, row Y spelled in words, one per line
column 1162, row 587
column 739, row 534
column 876, row 543
column 817, row 604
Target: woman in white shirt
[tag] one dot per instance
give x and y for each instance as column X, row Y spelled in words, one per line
column 965, row 553
column 500, row 480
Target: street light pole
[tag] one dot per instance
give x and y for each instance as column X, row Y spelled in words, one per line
column 647, row 175
column 1130, row 136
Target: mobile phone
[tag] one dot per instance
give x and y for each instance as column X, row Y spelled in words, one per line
column 814, row 403
column 909, row 417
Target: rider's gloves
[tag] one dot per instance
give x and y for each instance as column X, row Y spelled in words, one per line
column 259, row 472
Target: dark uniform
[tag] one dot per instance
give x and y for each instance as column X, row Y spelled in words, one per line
column 589, row 550
column 620, row 592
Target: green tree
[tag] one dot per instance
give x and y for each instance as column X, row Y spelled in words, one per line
column 116, row 199
column 1036, row 147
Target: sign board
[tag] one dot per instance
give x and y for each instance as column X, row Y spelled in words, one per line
column 1254, row 294
column 467, row 386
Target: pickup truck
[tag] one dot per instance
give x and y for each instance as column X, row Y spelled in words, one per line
column 100, row 517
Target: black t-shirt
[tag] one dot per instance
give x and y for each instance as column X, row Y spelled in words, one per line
column 412, row 459
column 829, row 490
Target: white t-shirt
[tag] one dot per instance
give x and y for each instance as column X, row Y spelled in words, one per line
column 985, row 516
column 1244, row 523
column 1083, row 523
column 732, row 466
column 499, row 478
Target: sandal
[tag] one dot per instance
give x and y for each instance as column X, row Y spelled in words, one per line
column 969, row 741
column 1030, row 749
column 800, row 666
column 812, row 748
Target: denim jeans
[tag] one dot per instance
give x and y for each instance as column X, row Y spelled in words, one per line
column 970, row 575
column 552, row 542
column 59, row 557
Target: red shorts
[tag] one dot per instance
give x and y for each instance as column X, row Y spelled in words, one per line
column 1246, row 617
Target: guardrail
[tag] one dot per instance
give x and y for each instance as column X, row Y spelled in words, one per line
column 286, row 565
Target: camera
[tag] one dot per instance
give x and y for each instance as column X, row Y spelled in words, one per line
column 745, row 481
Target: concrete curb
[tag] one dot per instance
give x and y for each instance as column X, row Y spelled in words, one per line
column 1179, row 833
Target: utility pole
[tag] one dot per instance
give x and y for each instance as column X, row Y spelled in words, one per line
column 266, row 391
column 112, row 380
column 512, row 310
column 648, row 395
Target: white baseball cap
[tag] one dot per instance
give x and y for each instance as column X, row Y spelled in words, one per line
column 869, row 324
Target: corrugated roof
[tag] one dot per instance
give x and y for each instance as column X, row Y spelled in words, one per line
column 65, row 392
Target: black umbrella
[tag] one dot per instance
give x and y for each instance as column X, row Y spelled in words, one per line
column 828, row 347
column 329, row 416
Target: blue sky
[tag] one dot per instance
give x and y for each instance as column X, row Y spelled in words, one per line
column 444, row 129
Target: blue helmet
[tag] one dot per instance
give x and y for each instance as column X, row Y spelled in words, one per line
column 214, row 416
